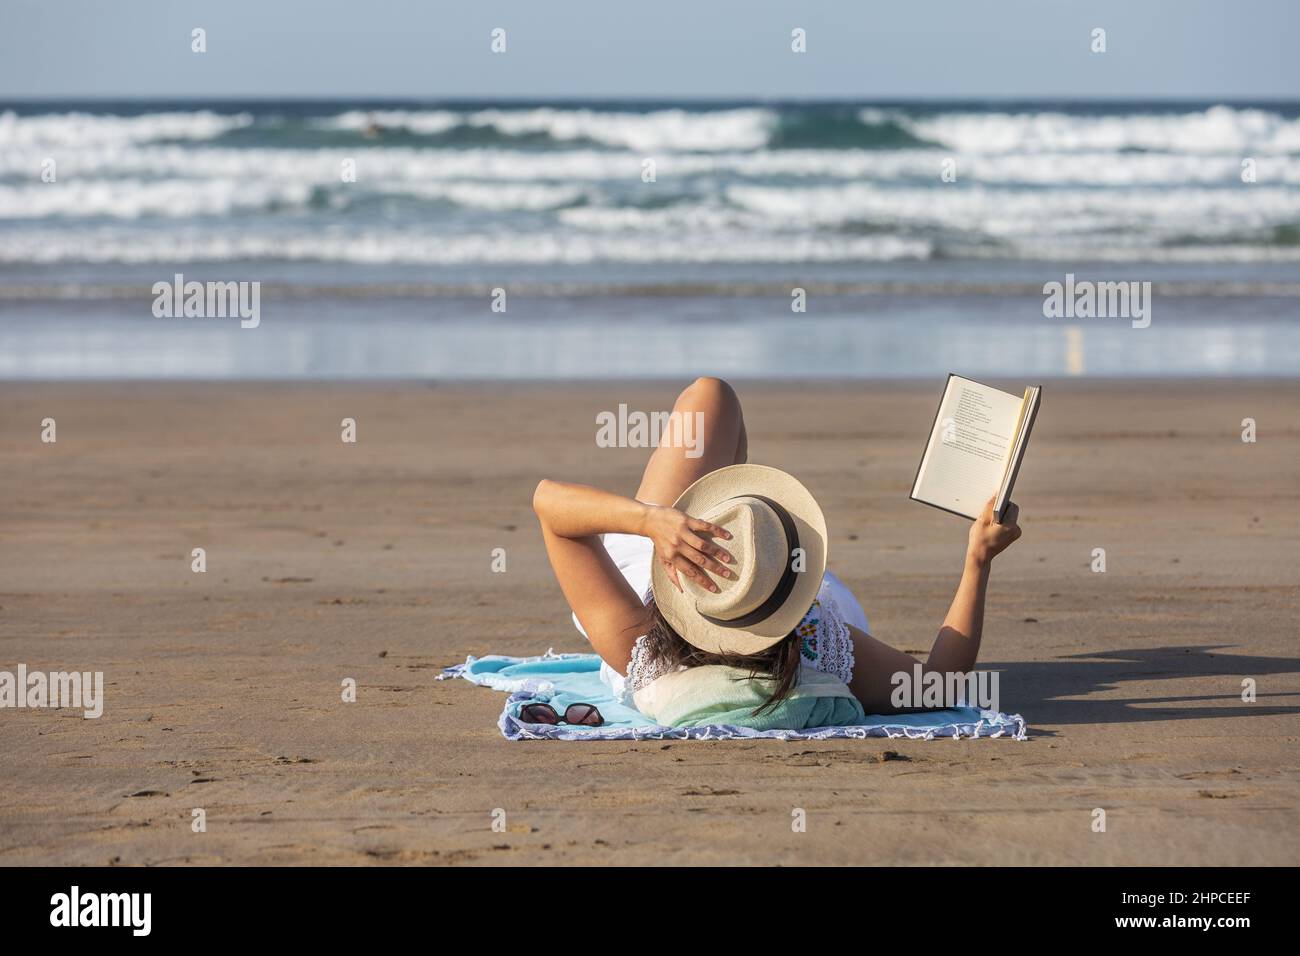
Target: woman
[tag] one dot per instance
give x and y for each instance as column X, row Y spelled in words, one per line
column 755, row 608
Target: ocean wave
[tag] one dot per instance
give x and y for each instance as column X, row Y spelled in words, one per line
column 497, row 197
column 717, row 240
column 675, row 129
column 1219, row 129
column 373, row 122
column 422, row 248
column 717, row 245
column 685, row 217
column 228, row 196
column 1216, row 130
column 1025, row 217
column 407, row 164
column 1207, row 253
column 82, row 130
column 324, row 166
column 844, row 129
column 679, row 130
column 137, row 199
column 953, row 219
column 745, row 184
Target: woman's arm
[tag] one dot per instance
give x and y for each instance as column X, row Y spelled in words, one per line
column 579, row 511
column 572, row 519
column 958, row 643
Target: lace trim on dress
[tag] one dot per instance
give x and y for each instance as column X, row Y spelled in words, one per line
column 647, row 661
column 835, row 643
column 644, row 667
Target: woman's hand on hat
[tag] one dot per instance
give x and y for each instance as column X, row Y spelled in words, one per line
column 988, row 537
column 683, row 545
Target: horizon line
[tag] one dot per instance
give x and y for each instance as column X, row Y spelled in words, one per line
column 115, row 99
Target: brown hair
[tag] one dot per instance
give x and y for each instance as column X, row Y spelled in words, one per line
column 778, row 663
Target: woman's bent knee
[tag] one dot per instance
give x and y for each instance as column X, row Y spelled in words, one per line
column 707, row 390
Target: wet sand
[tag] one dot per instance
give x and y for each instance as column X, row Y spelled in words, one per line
column 372, row 561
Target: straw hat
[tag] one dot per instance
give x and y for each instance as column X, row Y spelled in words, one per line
column 778, row 538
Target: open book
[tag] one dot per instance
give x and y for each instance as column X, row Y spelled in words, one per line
column 975, row 447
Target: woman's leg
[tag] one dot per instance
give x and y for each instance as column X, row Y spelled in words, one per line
column 706, row 433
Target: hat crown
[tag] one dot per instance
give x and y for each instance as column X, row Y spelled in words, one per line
column 769, row 514
column 760, row 548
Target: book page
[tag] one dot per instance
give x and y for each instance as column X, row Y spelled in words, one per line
column 966, row 458
column 1017, row 437
column 1029, row 411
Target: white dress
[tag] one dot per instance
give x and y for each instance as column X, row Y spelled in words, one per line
column 827, row 644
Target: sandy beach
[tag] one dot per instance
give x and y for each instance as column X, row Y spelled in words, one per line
column 371, row 561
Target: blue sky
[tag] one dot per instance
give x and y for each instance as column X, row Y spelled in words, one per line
column 704, row 49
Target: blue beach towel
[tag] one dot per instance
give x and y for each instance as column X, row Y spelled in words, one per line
column 564, row 679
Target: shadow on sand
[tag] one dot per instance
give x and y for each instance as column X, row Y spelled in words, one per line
column 1038, row 689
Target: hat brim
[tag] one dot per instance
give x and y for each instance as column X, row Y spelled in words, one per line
column 678, row 607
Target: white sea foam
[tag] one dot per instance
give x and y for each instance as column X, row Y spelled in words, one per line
column 752, row 216
column 422, row 123
column 113, row 245
column 657, row 130
column 1216, row 130
column 675, row 129
column 495, row 196
column 403, row 164
column 1129, row 252
column 695, row 217
column 135, row 199
column 1219, row 129
column 1158, row 186
column 180, row 198
column 321, row 166
column 422, row 248
column 1029, row 216
column 81, row 130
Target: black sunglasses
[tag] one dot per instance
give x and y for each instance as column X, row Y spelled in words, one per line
column 584, row 714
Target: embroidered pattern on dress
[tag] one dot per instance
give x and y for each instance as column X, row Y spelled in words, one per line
column 808, row 630
column 832, row 644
